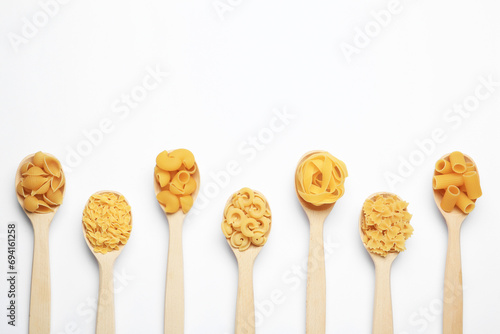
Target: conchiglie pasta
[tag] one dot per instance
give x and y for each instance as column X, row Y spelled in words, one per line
column 460, row 180
column 386, row 224
column 107, row 221
column 247, row 219
column 41, row 178
column 320, row 178
column 174, row 174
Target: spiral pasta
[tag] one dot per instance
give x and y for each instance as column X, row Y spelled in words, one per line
column 459, row 176
column 247, row 219
column 41, row 184
column 319, row 179
column 107, row 220
column 174, row 174
column 386, row 224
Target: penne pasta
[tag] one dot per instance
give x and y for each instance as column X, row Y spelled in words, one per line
column 457, row 161
column 443, row 166
column 450, row 198
column 465, row 204
column 445, row 180
column 471, row 182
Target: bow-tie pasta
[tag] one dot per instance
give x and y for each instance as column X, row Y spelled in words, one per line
column 174, row 173
column 107, row 220
column 320, row 179
column 386, row 224
column 41, row 184
column 247, row 219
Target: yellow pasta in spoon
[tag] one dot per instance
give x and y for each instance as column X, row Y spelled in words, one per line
column 247, row 219
column 174, row 174
column 320, row 179
column 41, row 183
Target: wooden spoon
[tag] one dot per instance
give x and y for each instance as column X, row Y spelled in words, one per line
column 382, row 306
column 245, row 308
column 105, row 323
column 316, row 279
column 453, row 291
column 174, row 291
column 39, row 320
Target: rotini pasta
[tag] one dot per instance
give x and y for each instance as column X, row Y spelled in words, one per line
column 461, row 183
column 320, row 178
column 107, row 220
column 386, row 224
column 41, row 184
column 174, row 174
column 247, row 219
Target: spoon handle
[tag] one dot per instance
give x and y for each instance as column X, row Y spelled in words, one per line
column 40, row 281
column 174, row 292
column 453, row 293
column 316, row 281
column 245, row 309
column 382, row 308
column 106, row 304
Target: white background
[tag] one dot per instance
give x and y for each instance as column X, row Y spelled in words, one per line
column 230, row 71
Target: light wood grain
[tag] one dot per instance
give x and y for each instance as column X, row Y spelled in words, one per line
column 453, row 290
column 39, row 319
column 316, row 279
column 382, row 304
column 105, row 320
column 174, row 286
column 245, row 307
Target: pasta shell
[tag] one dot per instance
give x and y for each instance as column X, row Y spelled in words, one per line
column 20, row 189
column 52, row 166
column 43, row 189
column 31, row 203
column 35, row 170
column 186, row 203
column 26, row 166
column 169, row 201
column 58, row 182
column 185, row 156
column 33, row 182
column 190, row 187
column 48, row 201
column 167, row 162
column 162, row 177
column 55, row 196
column 43, row 207
column 39, row 159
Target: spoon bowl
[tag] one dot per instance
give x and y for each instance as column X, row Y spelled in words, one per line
column 40, row 299
column 453, row 290
column 105, row 323
column 174, row 291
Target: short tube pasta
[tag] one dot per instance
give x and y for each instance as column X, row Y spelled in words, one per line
column 445, row 180
column 450, row 198
column 471, row 181
column 443, row 166
column 457, row 161
column 465, row 204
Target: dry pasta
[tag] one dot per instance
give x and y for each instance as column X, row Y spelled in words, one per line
column 320, row 178
column 460, row 184
column 247, row 219
column 174, row 174
column 386, row 224
column 107, row 220
column 450, row 198
column 41, row 184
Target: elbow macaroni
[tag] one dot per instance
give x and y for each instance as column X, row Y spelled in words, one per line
column 386, row 224
column 42, row 184
column 247, row 219
column 460, row 183
column 107, row 220
column 174, row 174
column 320, row 178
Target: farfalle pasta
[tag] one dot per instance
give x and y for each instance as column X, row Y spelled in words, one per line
column 320, row 178
column 174, row 173
column 107, row 220
column 385, row 224
column 247, row 219
column 458, row 182
column 41, row 184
